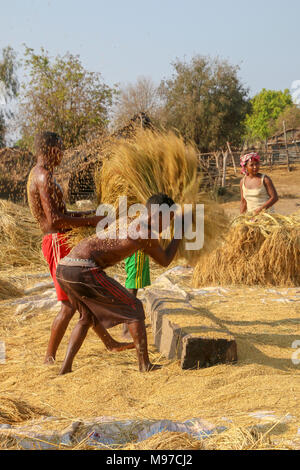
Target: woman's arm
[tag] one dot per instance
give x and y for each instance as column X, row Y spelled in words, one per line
column 243, row 205
column 272, row 194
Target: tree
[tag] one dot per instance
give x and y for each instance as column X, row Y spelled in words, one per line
column 141, row 97
column 266, row 108
column 206, row 102
column 291, row 116
column 61, row 96
column 9, row 86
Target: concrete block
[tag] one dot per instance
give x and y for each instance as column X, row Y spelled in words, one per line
column 200, row 352
column 183, row 332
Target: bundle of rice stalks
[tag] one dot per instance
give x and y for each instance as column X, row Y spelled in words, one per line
column 20, row 238
column 152, row 163
column 13, row 411
column 148, row 164
column 8, row 290
column 262, row 250
column 242, row 438
column 167, row 441
column 234, row 438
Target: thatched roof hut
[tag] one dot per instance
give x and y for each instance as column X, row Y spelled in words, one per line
column 15, row 166
column 292, row 135
column 76, row 173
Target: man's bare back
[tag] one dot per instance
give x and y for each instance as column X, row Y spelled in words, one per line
column 106, row 252
column 48, row 207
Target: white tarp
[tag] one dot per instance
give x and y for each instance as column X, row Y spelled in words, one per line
column 103, row 433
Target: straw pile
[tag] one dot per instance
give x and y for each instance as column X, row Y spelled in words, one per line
column 235, row 438
column 8, row 289
column 106, row 384
column 244, row 438
column 20, row 239
column 152, row 163
column 264, row 250
column 13, row 411
column 167, row 441
column 15, row 166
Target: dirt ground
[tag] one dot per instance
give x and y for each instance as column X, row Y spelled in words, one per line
column 265, row 380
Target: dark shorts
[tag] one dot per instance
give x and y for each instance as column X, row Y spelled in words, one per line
column 99, row 297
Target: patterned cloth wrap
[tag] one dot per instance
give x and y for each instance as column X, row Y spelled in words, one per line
column 246, row 158
column 137, row 270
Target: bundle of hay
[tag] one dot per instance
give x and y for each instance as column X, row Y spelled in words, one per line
column 15, row 166
column 262, row 250
column 244, row 438
column 9, row 290
column 13, row 411
column 152, row 163
column 234, row 438
column 167, row 441
column 20, row 238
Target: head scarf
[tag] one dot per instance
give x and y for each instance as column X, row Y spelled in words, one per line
column 246, row 158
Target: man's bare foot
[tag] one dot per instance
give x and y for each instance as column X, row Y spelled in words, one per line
column 149, row 367
column 49, row 361
column 118, row 347
column 65, row 370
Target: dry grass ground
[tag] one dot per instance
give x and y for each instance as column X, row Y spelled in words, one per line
column 106, row 384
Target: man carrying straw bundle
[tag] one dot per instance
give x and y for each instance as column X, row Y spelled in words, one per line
column 102, row 301
column 49, row 209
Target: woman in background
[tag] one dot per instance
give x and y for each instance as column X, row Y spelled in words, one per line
column 257, row 190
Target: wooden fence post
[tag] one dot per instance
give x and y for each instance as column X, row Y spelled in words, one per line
column 232, row 157
column 267, row 154
column 218, row 166
column 217, row 160
column 286, row 147
column 225, row 157
column 296, row 147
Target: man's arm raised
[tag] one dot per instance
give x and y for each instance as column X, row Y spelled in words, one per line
column 161, row 256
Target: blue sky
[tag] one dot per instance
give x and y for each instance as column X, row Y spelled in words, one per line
column 130, row 38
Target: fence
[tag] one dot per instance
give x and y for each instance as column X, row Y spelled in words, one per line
column 214, row 165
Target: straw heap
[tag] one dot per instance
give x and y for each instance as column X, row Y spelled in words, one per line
column 262, row 250
column 20, row 238
column 15, row 410
column 167, row 441
column 152, row 163
column 9, row 289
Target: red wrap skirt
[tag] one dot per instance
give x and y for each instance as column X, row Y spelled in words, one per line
column 54, row 249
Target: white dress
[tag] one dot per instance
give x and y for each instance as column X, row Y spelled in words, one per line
column 256, row 197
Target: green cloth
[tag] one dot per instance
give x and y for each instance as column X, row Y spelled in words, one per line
column 138, row 271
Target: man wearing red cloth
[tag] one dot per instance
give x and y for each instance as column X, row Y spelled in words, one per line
column 47, row 205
